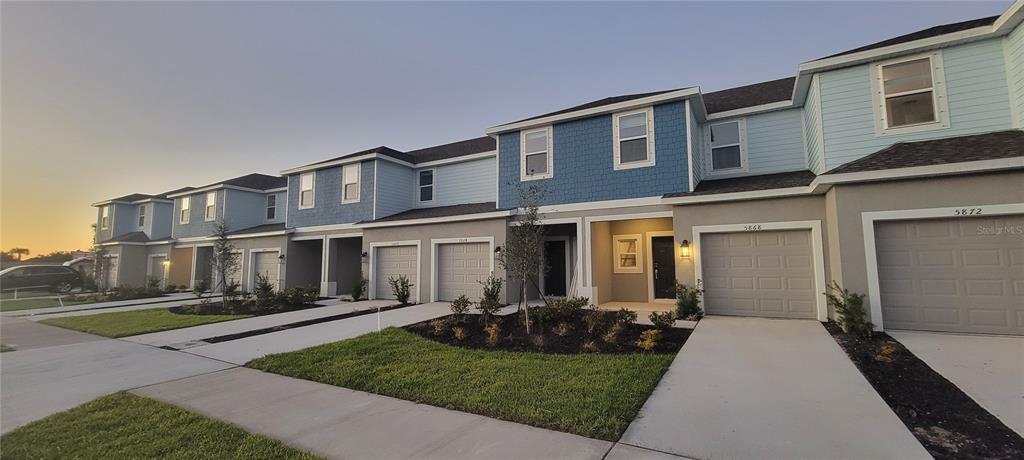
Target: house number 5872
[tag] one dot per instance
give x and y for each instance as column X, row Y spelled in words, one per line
column 967, row 212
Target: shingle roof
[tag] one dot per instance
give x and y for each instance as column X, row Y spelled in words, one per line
column 750, row 183
column 600, row 102
column 256, row 181
column 172, row 192
column 925, row 33
column 453, row 150
column 133, row 197
column 132, row 237
column 989, row 146
column 259, row 229
column 749, row 95
column 382, row 150
column 441, row 211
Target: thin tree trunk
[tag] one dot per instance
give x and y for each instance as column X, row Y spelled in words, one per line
column 523, row 288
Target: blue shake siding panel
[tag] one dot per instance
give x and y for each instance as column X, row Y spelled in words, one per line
column 696, row 149
column 197, row 224
column 328, row 209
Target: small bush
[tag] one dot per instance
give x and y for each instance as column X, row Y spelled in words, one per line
column 538, row 341
column 460, row 306
column 593, row 320
column 662, row 320
column 200, row 287
column 568, row 309
column 625, row 317
column 299, row 295
column 613, row 333
column 589, row 346
column 850, row 312
column 688, row 301
column 437, row 326
column 459, row 333
column 648, row 339
column 563, row 329
column 358, row 288
column 401, row 288
column 153, row 283
column 263, row 291
column 492, row 331
column 231, row 292
column 490, row 303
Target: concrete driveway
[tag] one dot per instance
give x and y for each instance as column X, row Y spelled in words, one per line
column 990, row 369
column 763, row 388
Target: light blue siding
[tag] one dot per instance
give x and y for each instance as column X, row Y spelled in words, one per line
column 159, row 221
column 812, row 128
column 197, row 224
column 465, row 182
column 245, row 209
column 775, row 143
column 282, row 205
column 126, row 219
column 977, row 97
column 395, row 188
column 328, row 209
column 1014, row 52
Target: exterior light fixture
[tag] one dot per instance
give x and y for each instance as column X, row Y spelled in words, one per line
column 497, row 249
column 167, row 263
column 685, row 249
column 365, row 255
column 280, row 257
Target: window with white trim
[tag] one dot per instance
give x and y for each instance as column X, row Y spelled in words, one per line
column 909, row 94
column 425, row 186
column 183, row 211
column 142, row 215
column 211, row 205
column 271, row 207
column 726, row 146
column 307, row 182
column 350, row 183
column 628, row 254
column 535, row 154
column 104, row 217
column 633, row 134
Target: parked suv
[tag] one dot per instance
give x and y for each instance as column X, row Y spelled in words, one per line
column 53, row 277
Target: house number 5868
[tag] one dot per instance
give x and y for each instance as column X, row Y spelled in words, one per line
column 751, row 228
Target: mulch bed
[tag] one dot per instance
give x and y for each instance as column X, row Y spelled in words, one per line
column 947, row 422
column 513, row 335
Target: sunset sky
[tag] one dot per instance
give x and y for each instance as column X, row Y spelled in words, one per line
column 105, row 99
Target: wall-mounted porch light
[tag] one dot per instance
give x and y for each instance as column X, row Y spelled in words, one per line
column 497, row 249
column 167, row 263
column 685, row 249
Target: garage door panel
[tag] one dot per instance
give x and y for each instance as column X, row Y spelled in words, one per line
column 957, row 275
column 767, row 273
column 393, row 261
column 460, row 268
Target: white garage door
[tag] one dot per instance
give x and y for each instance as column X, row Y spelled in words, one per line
column 460, row 269
column 111, row 281
column 766, row 273
column 393, row 261
column 955, row 274
column 266, row 264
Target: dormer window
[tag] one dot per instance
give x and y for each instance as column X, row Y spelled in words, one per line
column 142, row 216
column 211, row 205
column 183, row 211
column 633, row 134
column 350, row 183
column 909, row 94
column 425, row 186
column 726, row 144
column 535, row 154
column 306, row 183
column 104, row 217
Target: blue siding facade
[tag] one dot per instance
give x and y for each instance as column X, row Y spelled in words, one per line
column 328, row 209
column 696, row 148
column 197, row 224
column 465, row 182
column 812, row 128
column 583, row 167
column 395, row 188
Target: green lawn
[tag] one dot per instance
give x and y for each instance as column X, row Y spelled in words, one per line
column 26, row 304
column 590, row 395
column 134, row 322
column 124, row 425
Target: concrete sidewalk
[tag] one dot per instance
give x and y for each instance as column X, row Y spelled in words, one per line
column 764, row 388
column 244, row 350
column 171, row 300
column 341, row 423
column 26, row 335
column 195, row 333
column 990, row 369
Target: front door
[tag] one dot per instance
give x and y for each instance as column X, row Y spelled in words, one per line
column 554, row 277
column 664, row 264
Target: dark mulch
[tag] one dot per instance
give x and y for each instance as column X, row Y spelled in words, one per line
column 947, row 422
column 513, row 335
column 215, row 307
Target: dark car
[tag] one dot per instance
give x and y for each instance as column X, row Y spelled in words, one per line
column 56, row 278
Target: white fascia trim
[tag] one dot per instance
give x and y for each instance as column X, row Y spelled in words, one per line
column 595, row 205
column 868, row 220
column 464, row 158
column 689, row 147
column 322, row 228
column 626, row 105
column 770, row 107
column 275, row 190
column 155, row 200
column 345, row 161
column 434, row 243
column 372, row 282
column 741, row 196
column 436, row 220
column 258, row 235
column 921, row 171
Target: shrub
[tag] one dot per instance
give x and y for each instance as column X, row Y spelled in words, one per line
column 401, row 288
column 625, row 317
column 358, row 288
column 648, row 339
column 613, row 333
column 437, row 326
column 568, row 309
column 563, row 329
column 688, row 301
column 200, row 287
column 589, row 346
column 490, row 303
column 662, row 320
column 231, row 292
column 300, row 295
column 492, row 331
column 459, row 333
column 538, row 341
column 153, row 283
column 263, row 291
column 460, row 306
column 593, row 320
column 850, row 312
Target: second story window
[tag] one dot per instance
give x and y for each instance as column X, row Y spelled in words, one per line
column 535, row 159
column 271, row 207
column 142, row 216
column 634, row 136
column 183, row 213
column 306, row 183
column 104, row 217
column 726, row 146
column 211, row 205
column 425, row 185
column 910, row 94
column 350, row 183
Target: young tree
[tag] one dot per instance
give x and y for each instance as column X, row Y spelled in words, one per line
column 224, row 259
column 523, row 253
column 100, row 263
column 18, row 252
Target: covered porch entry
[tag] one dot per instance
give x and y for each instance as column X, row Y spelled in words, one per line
column 632, row 261
column 332, row 262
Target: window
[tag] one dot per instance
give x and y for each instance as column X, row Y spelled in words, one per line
column 211, row 205
column 726, row 146
column 183, row 213
column 350, row 183
column 271, row 207
column 104, row 217
column 535, row 158
column 306, row 183
column 910, row 95
column 142, row 216
column 425, row 185
column 634, row 139
column 628, row 258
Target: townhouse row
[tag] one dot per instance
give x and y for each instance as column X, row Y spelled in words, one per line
column 895, row 169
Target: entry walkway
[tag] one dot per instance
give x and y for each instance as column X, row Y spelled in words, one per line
column 763, row 388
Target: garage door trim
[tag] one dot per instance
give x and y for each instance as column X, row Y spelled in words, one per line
column 251, row 278
column 816, row 248
column 871, row 257
column 434, row 243
column 373, row 269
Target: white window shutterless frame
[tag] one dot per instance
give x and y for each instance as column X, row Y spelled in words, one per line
column 183, row 209
column 909, row 94
column 425, row 185
column 307, row 184
column 535, row 154
column 211, row 206
column 633, row 139
column 350, row 183
column 271, row 207
column 142, row 215
column 104, row 217
column 725, row 147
